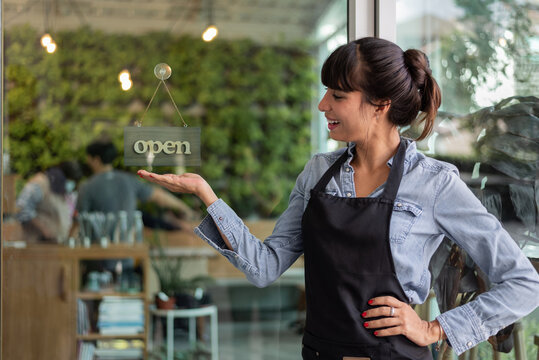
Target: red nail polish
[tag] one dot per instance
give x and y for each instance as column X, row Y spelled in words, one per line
column 366, row 324
column 376, row 333
column 364, row 314
column 370, row 302
column 151, row 176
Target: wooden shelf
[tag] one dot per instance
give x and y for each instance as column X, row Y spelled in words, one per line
column 53, row 316
column 89, row 337
column 86, row 295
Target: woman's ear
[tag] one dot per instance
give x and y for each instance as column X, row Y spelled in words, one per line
column 382, row 107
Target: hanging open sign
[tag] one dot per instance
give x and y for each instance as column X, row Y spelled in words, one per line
column 161, row 146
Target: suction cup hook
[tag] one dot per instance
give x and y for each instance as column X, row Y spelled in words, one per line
column 162, row 71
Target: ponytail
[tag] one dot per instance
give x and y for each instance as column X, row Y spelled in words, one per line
column 430, row 96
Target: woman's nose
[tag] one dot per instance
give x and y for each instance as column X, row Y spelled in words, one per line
column 323, row 104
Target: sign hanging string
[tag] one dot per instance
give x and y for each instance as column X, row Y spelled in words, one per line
column 161, row 77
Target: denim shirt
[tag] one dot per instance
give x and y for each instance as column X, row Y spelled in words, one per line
column 432, row 202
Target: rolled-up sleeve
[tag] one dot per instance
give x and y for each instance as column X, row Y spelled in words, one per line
column 515, row 283
column 261, row 262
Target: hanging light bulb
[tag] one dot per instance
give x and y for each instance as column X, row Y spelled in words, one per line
column 210, row 33
column 126, row 85
column 51, row 47
column 124, row 76
column 46, row 39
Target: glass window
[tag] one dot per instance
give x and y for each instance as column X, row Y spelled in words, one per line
column 485, row 57
column 80, row 71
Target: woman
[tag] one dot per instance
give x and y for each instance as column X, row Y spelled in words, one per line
column 46, row 203
column 368, row 218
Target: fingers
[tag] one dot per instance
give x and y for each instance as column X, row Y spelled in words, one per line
column 383, row 323
column 402, row 320
column 379, row 312
column 382, row 307
column 386, row 300
column 388, row 322
column 163, row 180
column 146, row 175
column 388, row 332
column 153, row 177
column 184, row 183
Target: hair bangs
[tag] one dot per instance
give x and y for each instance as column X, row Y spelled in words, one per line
column 340, row 67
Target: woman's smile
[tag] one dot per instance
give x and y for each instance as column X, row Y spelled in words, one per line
column 332, row 124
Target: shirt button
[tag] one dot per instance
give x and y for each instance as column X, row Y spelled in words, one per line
column 399, row 204
column 347, row 169
column 349, row 194
column 317, row 353
column 469, row 343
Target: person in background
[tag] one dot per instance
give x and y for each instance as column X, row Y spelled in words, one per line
column 369, row 217
column 111, row 190
column 46, row 203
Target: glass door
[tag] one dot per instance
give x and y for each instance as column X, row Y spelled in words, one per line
column 485, row 57
column 76, row 73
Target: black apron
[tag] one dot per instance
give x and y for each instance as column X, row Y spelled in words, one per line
column 348, row 261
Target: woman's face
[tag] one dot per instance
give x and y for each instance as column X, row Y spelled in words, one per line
column 348, row 117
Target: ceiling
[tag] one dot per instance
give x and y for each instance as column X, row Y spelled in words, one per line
column 262, row 20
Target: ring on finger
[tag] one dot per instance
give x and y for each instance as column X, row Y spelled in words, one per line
column 391, row 311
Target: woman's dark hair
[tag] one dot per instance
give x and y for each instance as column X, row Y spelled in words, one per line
column 384, row 73
column 104, row 149
column 57, row 180
column 59, row 174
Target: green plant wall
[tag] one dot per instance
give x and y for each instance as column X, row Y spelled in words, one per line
column 252, row 102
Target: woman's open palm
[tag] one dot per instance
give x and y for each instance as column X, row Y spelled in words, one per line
column 185, row 183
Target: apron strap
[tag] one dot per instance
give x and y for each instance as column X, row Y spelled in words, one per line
column 395, row 174
column 324, row 180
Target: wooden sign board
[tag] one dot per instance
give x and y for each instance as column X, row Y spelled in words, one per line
column 161, row 146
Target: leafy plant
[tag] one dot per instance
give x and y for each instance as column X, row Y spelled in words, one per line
column 507, row 148
column 492, row 36
column 169, row 272
column 252, row 102
column 199, row 352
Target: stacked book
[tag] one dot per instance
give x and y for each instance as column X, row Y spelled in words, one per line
column 120, row 316
column 83, row 319
column 85, row 351
column 119, row 349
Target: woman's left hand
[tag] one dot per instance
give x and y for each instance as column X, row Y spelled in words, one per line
column 404, row 321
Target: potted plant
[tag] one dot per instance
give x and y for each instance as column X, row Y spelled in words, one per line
column 197, row 353
column 175, row 291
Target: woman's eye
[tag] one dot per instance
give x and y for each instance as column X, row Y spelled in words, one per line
column 337, row 97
